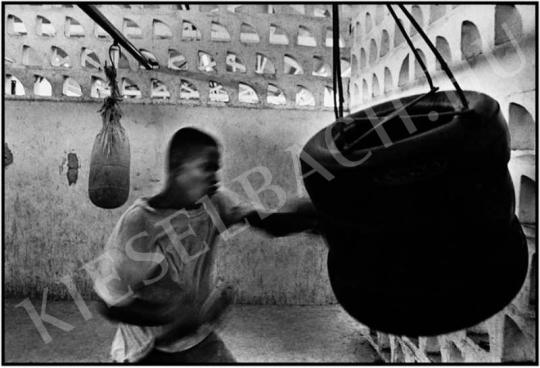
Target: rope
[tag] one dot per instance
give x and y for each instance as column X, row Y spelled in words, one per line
column 415, row 52
column 441, row 60
column 336, row 64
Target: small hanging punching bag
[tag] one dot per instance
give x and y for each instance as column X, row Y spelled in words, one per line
column 419, row 215
column 108, row 185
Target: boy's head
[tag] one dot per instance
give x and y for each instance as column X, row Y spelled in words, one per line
column 192, row 163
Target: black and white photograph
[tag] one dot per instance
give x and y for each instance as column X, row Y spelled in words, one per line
column 309, row 183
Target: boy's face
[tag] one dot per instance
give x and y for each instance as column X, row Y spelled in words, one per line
column 197, row 176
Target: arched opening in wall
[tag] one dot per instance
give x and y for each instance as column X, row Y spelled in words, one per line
column 436, row 12
column 521, row 125
column 188, row 91
column 385, row 43
column 379, row 14
column 59, row 58
column 444, row 49
column 30, row 57
column 13, row 86
column 454, row 354
column 372, row 52
column 159, row 89
column 206, row 62
column 357, row 30
column 208, row 8
column 234, row 64
column 375, row 89
column 89, row 59
column 15, row 26
column 480, row 338
column 278, row 36
column 71, row 87
column 263, row 65
column 354, row 70
column 291, row 66
column 388, row 81
column 44, row 27
column 99, row 88
column 516, row 346
column 365, row 91
column 398, row 36
column 471, row 42
column 320, row 68
column 177, row 61
column 219, row 33
column 369, row 23
column 418, row 73
column 190, row 31
column 130, row 89
column 320, row 11
column 305, row 37
column 42, row 87
column 328, row 97
column 404, row 72
column 131, row 29
column 433, row 349
column 398, row 357
column 275, row 96
column 304, row 97
column 362, row 59
column 355, row 94
column 217, row 93
column 527, row 201
column 247, row 94
column 329, row 39
column 151, row 58
column 161, row 30
column 123, row 62
column 72, row 28
column 508, row 25
column 345, row 68
column 416, row 12
column 248, row 34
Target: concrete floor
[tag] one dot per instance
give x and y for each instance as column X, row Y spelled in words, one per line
column 253, row 334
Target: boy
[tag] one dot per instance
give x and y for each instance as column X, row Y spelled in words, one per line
column 155, row 275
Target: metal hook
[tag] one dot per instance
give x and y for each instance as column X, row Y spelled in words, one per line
column 114, row 54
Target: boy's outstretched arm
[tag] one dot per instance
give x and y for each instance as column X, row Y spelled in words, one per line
column 297, row 216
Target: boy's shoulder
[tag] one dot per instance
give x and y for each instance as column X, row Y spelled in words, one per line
column 135, row 215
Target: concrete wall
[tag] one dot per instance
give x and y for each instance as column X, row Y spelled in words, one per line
column 52, row 229
column 490, row 49
column 54, row 86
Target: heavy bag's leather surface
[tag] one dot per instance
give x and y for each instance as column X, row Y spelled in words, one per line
column 108, row 185
column 422, row 234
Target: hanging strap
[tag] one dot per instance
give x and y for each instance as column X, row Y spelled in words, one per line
column 415, row 52
column 342, row 131
column 336, row 64
column 433, row 49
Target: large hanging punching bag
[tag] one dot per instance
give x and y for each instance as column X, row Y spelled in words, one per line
column 108, row 185
column 419, row 216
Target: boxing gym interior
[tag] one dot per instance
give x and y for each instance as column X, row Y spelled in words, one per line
column 411, row 128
